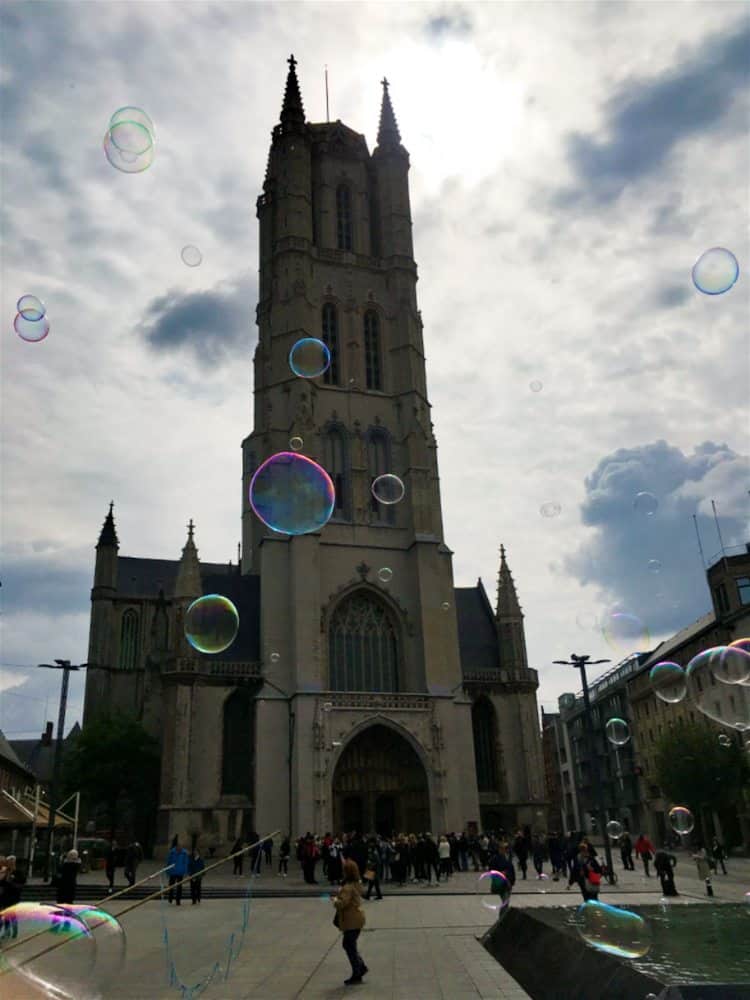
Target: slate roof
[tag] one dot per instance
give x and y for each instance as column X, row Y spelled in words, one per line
column 36, row 757
column 9, row 754
column 146, row 577
column 477, row 636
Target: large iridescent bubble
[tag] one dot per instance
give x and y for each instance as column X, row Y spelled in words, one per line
column 493, row 891
column 625, row 632
column 727, row 703
column 681, row 820
column 111, row 943
column 309, row 357
column 613, row 930
column 292, row 494
column 715, row 271
column 52, row 947
column 744, row 645
column 668, row 682
column 211, row 623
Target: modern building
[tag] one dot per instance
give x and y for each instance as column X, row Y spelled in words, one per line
column 352, row 697
column 554, row 753
column 729, row 582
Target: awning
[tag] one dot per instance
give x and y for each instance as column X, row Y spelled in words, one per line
column 16, row 813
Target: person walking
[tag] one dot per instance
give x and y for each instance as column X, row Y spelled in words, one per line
column 520, row 849
column 309, row 859
column 110, row 864
column 718, row 853
column 196, row 866
column 444, row 851
column 284, row 852
column 704, row 869
column 66, row 878
column 373, row 870
column 592, row 876
column 133, row 857
column 432, row 858
column 645, row 850
column 578, row 870
column 256, row 858
column 664, row 865
column 555, row 851
column 177, row 866
column 335, row 858
column 237, row 861
column 268, row 851
column 350, row 919
column 537, row 855
column 626, row 852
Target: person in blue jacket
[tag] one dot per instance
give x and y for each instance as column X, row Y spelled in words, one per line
column 177, row 860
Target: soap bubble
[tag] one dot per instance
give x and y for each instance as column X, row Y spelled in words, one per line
column 191, row 255
column 614, row 829
column 668, row 682
column 54, row 949
column 536, row 385
column 296, row 443
column 654, row 566
column 645, row 503
column 625, row 633
column 567, row 701
column 550, row 509
column 732, row 666
column 493, row 891
column 724, row 740
column 388, row 489
column 120, row 144
column 729, row 705
column 744, row 645
column 309, row 357
column 681, row 820
column 385, row 574
column 715, row 271
column 110, row 940
column 613, row 930
column 617, row 732
column 135, row 115
column 274, row 657
column 32, row 331
column 292, row 494
column 211, row 623
column 445, row 606
column 31, row 308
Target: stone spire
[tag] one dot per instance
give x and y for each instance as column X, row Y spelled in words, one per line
column 188, row 583
column 108, row 534
column 292, row 112
column 388, row 133
column 507, row 600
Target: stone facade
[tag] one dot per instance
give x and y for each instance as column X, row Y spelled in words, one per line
column 336, row 261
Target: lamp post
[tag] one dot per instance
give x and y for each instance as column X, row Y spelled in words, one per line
column 581, row 662
column 66, row 666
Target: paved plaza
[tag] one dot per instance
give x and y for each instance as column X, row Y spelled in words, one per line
column 417, row 944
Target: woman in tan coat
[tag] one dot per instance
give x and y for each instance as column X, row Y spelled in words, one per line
column 350, row 918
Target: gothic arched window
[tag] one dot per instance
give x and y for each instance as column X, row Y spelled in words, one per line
column 336, row 465
column 378, row 463
column 343, row 217
column 237, row 755
column 129, row 640
column 372, row 350
column 330, row 337
column 485, row 744
column 362, row 646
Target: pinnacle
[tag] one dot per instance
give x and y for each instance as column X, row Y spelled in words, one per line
column 292, row 110
column 108, row 534
column 388, row 133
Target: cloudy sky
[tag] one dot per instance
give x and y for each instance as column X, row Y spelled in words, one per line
column 569, row 163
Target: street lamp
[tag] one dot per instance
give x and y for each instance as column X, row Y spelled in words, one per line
column 581, row 662
column 66, row 666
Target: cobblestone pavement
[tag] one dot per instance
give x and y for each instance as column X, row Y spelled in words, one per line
column 418, row 946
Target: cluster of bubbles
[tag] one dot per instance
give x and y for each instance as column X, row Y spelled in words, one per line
column 613, row 930
column 191, row 255
column 67, row 950
column 493, row 891
column 730, row 667
column 715, row 271
column 211, row 623
column 31, row 322
column 130, row 140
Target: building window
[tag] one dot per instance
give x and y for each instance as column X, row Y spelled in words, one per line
column 129, row 640
column 743, row 589
column 363, row 650
column 485, row 745
column 372, row 350
column 343, row 217
column 237, row 756
column 722, row 603
column 336, row 465
column 330, row 337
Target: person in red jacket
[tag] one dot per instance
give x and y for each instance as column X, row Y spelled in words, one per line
column 644, row 850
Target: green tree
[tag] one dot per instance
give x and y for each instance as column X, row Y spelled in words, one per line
column 114, row 763
column 695, row 770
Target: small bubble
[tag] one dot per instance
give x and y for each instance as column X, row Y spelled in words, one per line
column 550, row 509
column 191, row 255
column 715, row 271
column 681, row 820
column 388, row 489
column 274, row 657
column 309, row 357
column 654, row 566
column 211, row 623
column 536, row 386
column 385, row 574
column 445, row 606
column 645, row 503
column 614, row 829
column 724, row 740
column 31, row 308
column 296, row 443
column 617, row 732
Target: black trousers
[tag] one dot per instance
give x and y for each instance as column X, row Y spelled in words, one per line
column 237, row 870
column 666, row 877
column 349, row 944
column 374, row 882
column 195, row 889
column 177, row 889
column 627, row 860
column 284, row 864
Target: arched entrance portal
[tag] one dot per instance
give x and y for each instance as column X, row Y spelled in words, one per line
column 380, row 784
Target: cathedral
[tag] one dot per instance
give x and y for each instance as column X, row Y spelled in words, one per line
column 363, row 690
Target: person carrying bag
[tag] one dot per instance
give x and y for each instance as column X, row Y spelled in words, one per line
column 350, row 919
